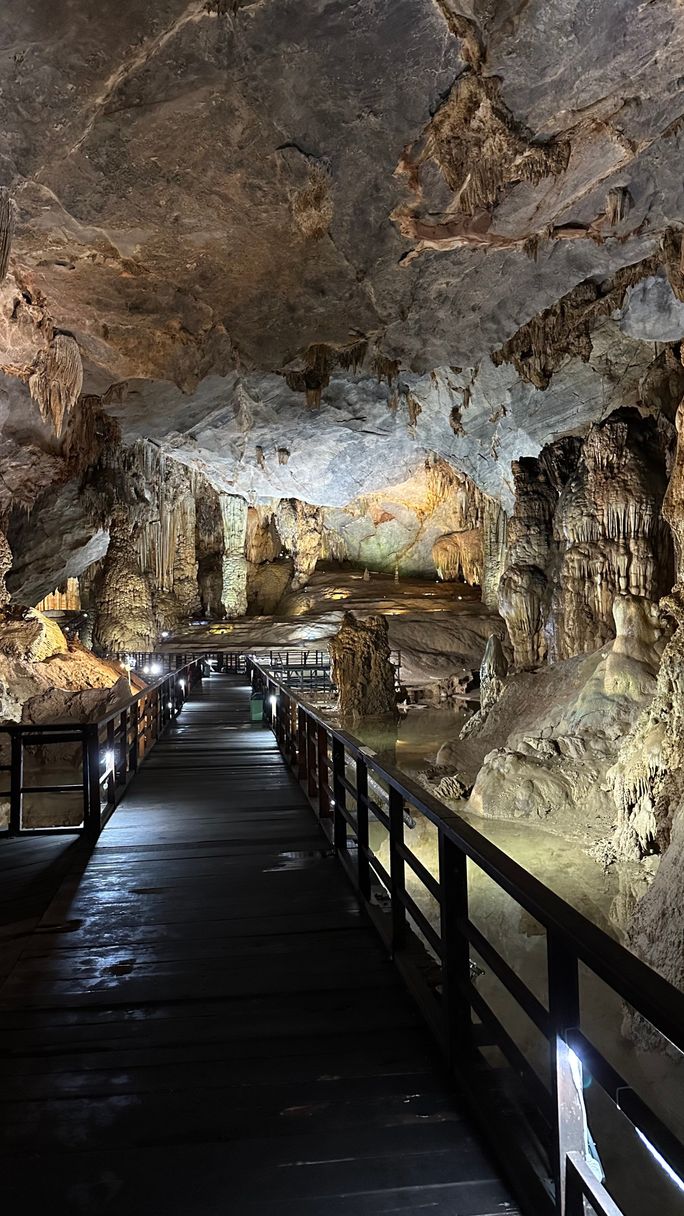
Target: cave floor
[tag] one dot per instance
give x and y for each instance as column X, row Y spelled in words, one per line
column 203, row 1021
column 440, row 629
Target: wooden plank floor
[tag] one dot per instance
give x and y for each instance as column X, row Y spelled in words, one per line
column 203, row 1022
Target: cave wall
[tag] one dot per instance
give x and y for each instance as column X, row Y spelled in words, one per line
column 587, row 526
column 431, row 525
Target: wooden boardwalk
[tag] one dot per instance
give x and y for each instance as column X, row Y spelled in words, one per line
column 203, row 1023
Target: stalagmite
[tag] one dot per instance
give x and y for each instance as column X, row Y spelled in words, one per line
column 7, row 218
column 493, row 672
column 523, row 588
column 234, row 517
column 5, row 566
column 361, row 668
column 124, row 615
column 56, row 380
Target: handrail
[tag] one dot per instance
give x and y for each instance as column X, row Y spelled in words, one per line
column 458, row 1014
column 112, row 748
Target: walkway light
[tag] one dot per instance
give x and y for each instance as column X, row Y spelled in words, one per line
column 146, row 669
column 182, row 684
column 274, row 701
column 156, row 669
column 169, row 704
column 165, row 633
column 109, row 760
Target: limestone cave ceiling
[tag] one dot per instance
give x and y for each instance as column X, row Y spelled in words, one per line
column 370, row 230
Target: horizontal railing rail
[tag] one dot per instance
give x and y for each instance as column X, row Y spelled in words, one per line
column 105, row 755
column 539, row 1127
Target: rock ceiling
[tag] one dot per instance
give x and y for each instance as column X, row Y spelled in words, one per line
column 267, row 222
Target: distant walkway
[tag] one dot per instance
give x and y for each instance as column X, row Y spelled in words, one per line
column 204, row 1024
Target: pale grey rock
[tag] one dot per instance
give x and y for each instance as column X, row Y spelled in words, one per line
column 56, row 541
column 652, row 312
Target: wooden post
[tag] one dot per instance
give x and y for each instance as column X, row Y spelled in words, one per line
column 340, row 795
column 322, row 764
column 301, row 744
column 564, row 1015
column 16, row 782
column 312, row 788
column 92, row 821
column 397, row 869
column 111, row 770
column 133, row 744
column 362, row 827
column 453, row 886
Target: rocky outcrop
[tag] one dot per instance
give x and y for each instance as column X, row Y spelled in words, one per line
column 609, row 532
column 586, row 527
column 493, row 672
column 361, row 668
column 524, row 590
column 548, row 743
column 300, row 527
column 234, row 565
column 124, row 614
column 27, row 634
column 647, row 778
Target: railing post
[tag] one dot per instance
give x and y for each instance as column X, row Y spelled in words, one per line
column 453, row 886
column 91, row 822
column 323, row 777
column 16, row 782
column 311, row 757
column 123, row 743
column 301, row 744
column 566, row 1070
column 340, row 795
column 362, row 827
column 397, row 868
column 133, row 746
column 111, row 771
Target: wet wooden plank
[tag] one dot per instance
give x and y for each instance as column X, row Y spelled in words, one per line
column 203, row 1021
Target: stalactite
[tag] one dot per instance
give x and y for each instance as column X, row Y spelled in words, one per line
column 458, row 555
column 609, row 533
column 300, row 526
column 7, row 219
column 56, row 380
column 65, row 598
column 494, row 532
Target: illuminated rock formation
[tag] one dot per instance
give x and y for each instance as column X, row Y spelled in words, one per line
column 361, row 668
column 551, row 737
column 300, row 527
column 493, row 672
column 459, row 555
column 524, row 591
column 234, row 566
column 609, row 533
column 124, row 614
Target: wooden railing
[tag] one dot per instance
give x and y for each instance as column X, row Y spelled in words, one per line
column 538, row 1128
column 101, row 756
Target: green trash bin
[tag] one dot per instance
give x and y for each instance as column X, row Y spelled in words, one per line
column 256, row 707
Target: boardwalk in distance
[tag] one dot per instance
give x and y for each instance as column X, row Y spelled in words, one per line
column 203, row 1022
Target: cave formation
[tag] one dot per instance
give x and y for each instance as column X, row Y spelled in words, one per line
column 256, row 339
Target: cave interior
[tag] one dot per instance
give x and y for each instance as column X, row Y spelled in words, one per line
column 360, row 328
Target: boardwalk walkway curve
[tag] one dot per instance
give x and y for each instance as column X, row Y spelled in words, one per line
column 203, row 1022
